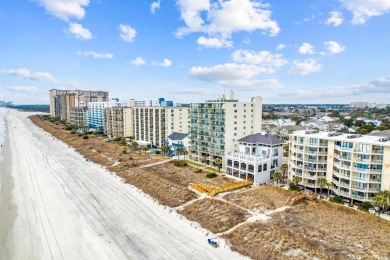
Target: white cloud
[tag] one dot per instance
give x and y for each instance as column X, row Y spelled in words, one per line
column 79, row 31
column 234, row 75
column 306, row 48
column 335, row 19
column 65, row 9
column 280, row 47
column 127, row 32
column 154, row 6
column 165, row 63
column 214, row 42
column 305, row 67
column 138, row 61
column 264, row 58
column 25, row 89
column 363, row 10
column 227, row 71
column 333, row 47
column 225, row 17
column 27, row 74
column 95, row 54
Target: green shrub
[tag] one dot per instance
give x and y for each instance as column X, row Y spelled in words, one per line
column 337, row 199
column 199, row 170
column 89, row 132
column 180, row 163
column 293, row 187
column 211, row 175
column 73, row 132
column 80, row 135
column 365, row 206
column 350, row 205
column 85, row 137
column 68, row 127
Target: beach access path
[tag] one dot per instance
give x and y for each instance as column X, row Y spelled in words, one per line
column 56, row 205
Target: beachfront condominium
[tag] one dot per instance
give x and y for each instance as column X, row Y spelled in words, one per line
column 96, row 112
column 152, row 125
column 357, row 166
column 216, row 126
column 62, row 101
column 118, row 121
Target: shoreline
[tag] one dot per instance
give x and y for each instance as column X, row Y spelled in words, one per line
column 7, row 208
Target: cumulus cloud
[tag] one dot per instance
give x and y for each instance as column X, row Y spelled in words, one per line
column 363, row 10
column 335, row 19
column 78, row 31
column 25, row 89
column 234, row 75
column 95, row 55
column 165, row 63
column 65, row 9
column 333, row 47
column 154, row 6
column 306, row 48
column 214, row 42
column 223, row 18
column 264, row 58
column 305, row 67
column 280, row 47
column 127, row 32
column 27, row 74
column 138, row 61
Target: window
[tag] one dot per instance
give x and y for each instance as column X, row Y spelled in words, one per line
column 235, row 134
column 259, row 168
column 234, row 105
column 265, row 167
column 235, row 111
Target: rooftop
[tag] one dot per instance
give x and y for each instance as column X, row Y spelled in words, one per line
column 177, row 136
column 335, row 136
column 261, row 138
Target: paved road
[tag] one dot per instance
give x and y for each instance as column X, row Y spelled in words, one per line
column 56, row 205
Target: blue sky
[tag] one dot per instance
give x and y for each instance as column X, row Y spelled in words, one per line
column 306, row 51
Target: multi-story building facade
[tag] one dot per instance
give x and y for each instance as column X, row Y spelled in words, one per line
column 357, row 166
column 155, row 124
column 216, row 125
column 96, row 112
column 62, row 101
column 259, row 156
column 79, row 116
column 118, row 121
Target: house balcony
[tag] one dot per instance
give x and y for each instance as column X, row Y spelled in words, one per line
column 313, row 177
column 355, row 196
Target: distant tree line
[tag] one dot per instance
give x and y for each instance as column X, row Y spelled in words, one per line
column 35, row 108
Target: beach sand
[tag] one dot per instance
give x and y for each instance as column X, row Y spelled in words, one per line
column 57, row 205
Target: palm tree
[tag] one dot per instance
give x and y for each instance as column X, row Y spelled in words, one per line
column 328, row 185
column 296, row 180
column 218, row 162
column 380, row 200
column 164, row 149
column 203, row 159
column 284, row 168
column 184, row 152
column 277, row 176
column 145, row 148
column 133, row 145
column 322, row 183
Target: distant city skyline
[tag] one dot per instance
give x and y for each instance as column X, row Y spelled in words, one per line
column 309, row 52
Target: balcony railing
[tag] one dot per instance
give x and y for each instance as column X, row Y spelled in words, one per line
column 310, row 176
column 359, row 188
column 358, row 197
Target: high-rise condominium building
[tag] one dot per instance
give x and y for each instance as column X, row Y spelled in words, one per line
column 217, row 125
column 358, row 167
column 118, row 121
column 96, row 112
column 62, row 101
column 79, row 116
column 155, row 124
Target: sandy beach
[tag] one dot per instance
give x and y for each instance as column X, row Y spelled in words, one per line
column 56, row 205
